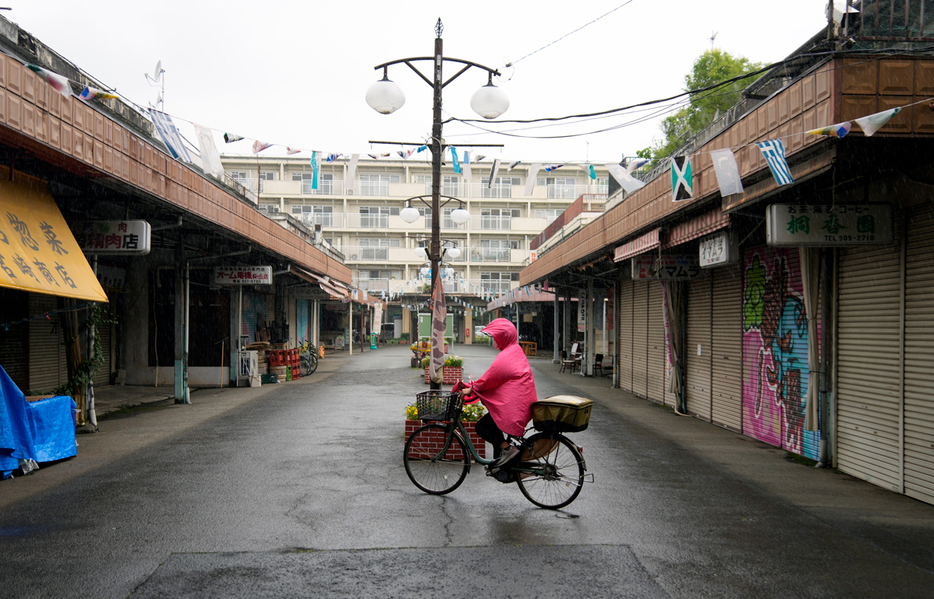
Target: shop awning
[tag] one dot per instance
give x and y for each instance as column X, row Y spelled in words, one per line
column 330, row 287
column 637, row 246
column 696, row 227
column 38, row 252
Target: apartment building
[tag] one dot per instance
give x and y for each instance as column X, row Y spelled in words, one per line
column 360, row 218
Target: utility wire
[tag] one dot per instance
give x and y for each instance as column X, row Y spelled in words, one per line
column 510, row 64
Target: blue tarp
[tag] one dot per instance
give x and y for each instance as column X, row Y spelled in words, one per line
column 42, row 430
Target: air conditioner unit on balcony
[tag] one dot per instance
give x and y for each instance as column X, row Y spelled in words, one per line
column 353, row 256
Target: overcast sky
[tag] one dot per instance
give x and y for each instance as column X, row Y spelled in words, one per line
column 295, row 73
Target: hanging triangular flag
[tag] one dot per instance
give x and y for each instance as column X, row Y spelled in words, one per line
column 635, row 164
column 838, row 130
column 530, row 180
column 314, row 170
column 210, row 157
column 259, row 146
column 351, row 172
column 479, row 158
column 466, row 166
column 493, row 171
column 421, row 149
column 332, row 157
column 872, row 123
column 91, row 93
column 682, row 185
column 629, row 183
column 774, row 153
column 58, row 83
column 724, row 164
column 457, row 166
column 229, row 138
column 553, row 167
column 513, row 165
column 169, row 134
column 291, row 151
column 588, row 168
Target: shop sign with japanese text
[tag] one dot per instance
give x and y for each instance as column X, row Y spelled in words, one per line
column 243, row 275
column 668, row 267
column 717, row 249
column 126, row 237
column 842, row 224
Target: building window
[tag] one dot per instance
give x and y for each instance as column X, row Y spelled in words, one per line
column 494, row 250
column 559, row 188
column 450, row 186
column 377, row 249
column 497, row 282
column 502, row 187
column 376, row 185
column 315, row 215
column 269, row 208
column 325, row 183
column 497, row 218
column 549, row 214
column 376, row 217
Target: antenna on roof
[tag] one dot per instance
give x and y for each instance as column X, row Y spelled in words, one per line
column 713, row 38
column 158, row 78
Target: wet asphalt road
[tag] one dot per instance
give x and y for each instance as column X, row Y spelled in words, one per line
column 301, row 492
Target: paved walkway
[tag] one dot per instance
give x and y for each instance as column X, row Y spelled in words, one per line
column 900, row 525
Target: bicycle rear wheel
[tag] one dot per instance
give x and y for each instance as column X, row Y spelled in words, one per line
column 551, row 471
column 427, row 468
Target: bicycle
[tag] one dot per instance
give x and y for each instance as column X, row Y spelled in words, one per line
column 549, row 471
column 307, row 359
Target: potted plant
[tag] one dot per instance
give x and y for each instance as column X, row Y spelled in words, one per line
column 470, row 415
column 452, row 371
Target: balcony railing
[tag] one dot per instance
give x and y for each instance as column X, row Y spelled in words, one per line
column 484, row 286
column 491, row 255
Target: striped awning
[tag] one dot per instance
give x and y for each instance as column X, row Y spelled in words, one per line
column 637, row 246
column 696, row 227
column 329, row 286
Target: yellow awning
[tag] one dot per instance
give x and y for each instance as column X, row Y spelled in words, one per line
column 38, row 252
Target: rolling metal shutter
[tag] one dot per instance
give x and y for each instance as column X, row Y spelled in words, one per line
column 919, row 358
column 624, row 352
column 48, row 368
column 869, row 370
column 14, row 339
column 657, row 364
column 640, row 338
column 726, row 347
column 775, row 351
column 697, row 367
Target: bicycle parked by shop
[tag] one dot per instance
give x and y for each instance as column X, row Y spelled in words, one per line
column 307, row 358
column 550, row 470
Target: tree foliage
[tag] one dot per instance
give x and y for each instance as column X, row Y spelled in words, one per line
column 712, row 67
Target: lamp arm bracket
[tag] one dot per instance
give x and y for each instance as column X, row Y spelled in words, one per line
column 431, row 59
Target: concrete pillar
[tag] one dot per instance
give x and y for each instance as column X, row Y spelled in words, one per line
column 181, row 326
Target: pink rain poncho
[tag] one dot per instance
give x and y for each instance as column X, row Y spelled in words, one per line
column 507, row 389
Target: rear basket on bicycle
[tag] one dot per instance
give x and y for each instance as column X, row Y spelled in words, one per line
column 436, row 404
column 561, row 414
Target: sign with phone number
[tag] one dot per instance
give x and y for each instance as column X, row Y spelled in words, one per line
column 836, row 225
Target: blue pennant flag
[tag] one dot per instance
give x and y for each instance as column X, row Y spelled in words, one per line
column 774, row 153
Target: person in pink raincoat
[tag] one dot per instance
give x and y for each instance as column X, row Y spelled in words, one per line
column 507, row 389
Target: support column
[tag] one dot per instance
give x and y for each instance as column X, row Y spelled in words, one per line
column 181, row 327
column 556, row 357
column 590, row 332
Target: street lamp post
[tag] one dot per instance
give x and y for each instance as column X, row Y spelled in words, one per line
column 489, row 101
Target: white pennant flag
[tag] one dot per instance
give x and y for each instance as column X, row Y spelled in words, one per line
column 493, row 171
column 872, row 123
column 629, row 183
column 724, row 164
column 210, row 157
column 465, row 166
column 530, row 182
column 352, row 172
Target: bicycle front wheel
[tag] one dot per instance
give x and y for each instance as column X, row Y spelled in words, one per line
column 427, row 468
column 312, row 363
column 550, row 471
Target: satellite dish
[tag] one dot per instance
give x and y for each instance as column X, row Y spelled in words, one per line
column 158, row 71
